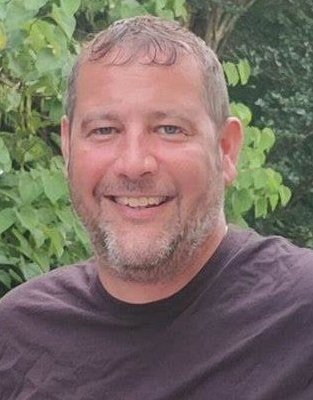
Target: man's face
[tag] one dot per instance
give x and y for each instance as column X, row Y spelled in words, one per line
column 144, row 165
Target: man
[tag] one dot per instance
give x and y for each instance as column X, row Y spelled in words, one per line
column 174, row 305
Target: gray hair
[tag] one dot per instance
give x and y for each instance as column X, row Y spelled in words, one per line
column 161, row 42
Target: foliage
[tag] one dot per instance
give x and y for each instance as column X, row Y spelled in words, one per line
column 38, row 41
column 257, row 187
column 37, row 226
column 280, row 94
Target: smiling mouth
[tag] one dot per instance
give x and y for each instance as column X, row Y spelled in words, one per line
column 140, row 202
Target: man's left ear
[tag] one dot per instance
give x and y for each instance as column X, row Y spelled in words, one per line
column 231, row 140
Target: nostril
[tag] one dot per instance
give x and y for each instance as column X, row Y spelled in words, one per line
column 135, row 166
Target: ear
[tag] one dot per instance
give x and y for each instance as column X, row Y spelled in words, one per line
column 230, row 144
column 65, row 139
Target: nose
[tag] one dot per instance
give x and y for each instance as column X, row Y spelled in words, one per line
column 135, row 158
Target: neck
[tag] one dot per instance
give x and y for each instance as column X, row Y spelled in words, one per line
column 140, row 293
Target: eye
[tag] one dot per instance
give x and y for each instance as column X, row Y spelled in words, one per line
column 105, row 131
column 169, row 129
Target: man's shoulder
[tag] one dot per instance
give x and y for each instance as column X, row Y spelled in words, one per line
column 272, row 248
column 275, row 260
column 61, row 283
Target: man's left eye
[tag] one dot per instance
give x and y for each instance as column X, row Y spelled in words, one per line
column 169, row 129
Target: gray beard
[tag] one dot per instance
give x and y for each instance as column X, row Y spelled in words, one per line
column 164, row 259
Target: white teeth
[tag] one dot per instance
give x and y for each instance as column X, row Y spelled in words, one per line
column 139, row 201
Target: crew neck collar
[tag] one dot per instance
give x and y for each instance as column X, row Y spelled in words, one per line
column 176, row 303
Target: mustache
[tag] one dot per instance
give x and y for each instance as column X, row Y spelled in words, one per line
column 138, row 186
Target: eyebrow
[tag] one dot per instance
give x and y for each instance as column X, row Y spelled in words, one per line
column 171, row 114
column 111, row 116
column 98, row 115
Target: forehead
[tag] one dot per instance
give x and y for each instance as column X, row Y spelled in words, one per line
column 101, row 82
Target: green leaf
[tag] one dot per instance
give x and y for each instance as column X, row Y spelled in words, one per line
column 7, row 219
column 24, row 245
column 66, row 215
column 57, row 242
column 3, row 11
column 285, row 194
column 256, row 158
column 5, row 159
column 13, row 100
column 28, row 188
column 244, row 180
column 179, row 8
column 55, row 111
column 267, row 139
column 3, row 37
column 54, row 186
column 166, row 14
column 46, row 61
column 70, row 6
column 39, row 237
column 15, row 276
column 81, row 233
column 260, row 178
column 241, row 201
column 242, row 112
column 66, row 22
column 244, row 71
column 7, row 261
column 28, row 218
column 273, row 199
column 260, row 207
column 231, row 72
column 17, row 15
column 5, row 278
column 252, row 136
column 31, row 271
column 36, row 39
column 159, row 5
column 35, row 4
column 44, row 34
column 131, row 8
column 41, row 257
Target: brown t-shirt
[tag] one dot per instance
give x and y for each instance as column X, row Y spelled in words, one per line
column 242, row 329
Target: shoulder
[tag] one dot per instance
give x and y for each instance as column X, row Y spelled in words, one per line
column 47, row 290
column 249, row 244
column 274, row 263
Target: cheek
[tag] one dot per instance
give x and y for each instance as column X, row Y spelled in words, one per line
column 193, row 171
column 86, row 169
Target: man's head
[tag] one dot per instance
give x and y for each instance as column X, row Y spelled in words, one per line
column 157, row 42
column 148, row 155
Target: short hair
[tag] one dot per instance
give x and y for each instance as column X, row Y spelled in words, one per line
column 162, row 42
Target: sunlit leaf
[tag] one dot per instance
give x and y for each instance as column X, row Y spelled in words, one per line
column 242, row 112
column 244, row 71
column 31, row 270
column 285, row 194
column 35, row 4
column 70, row 6
column 3, row 37
column 7, row 219
column 231, row 73
column 66, row 22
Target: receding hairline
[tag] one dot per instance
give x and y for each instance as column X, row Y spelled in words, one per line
column 126, row 41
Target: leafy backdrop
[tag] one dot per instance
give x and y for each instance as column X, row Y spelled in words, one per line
column 38, row 41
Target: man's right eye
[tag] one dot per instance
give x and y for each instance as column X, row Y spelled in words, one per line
column 104, row 131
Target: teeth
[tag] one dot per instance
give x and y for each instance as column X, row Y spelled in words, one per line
column 140, row 201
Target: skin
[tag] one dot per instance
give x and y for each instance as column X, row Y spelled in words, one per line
column 143, row 131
